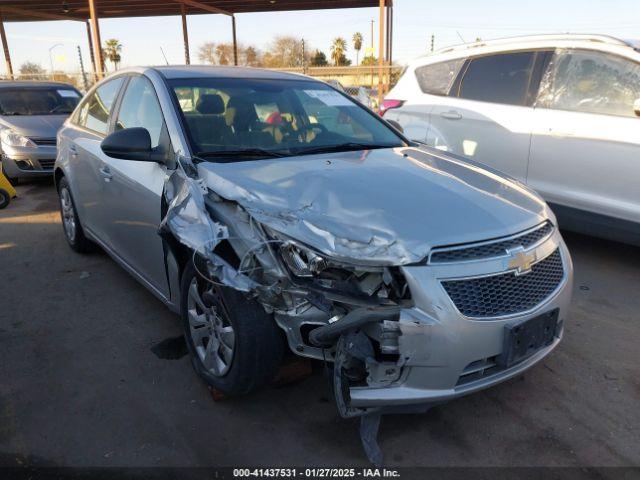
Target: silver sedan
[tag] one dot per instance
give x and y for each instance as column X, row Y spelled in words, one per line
column 269, row 209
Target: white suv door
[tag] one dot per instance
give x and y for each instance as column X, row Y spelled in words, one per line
column 487, row 115
column 585, row 148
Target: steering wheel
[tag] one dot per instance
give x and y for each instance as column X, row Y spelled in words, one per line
column 316, row 128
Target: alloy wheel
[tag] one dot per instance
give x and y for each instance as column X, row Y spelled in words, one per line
column 211, row 330
column 68, row 214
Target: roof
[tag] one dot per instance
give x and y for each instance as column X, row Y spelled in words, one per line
column 38, row 10
column 34, row 83
column 203, row 71
column 566, row 40
column 544, row 38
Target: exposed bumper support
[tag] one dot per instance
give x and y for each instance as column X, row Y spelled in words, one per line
column 325, row 336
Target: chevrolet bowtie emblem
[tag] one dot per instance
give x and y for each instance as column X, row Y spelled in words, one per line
column 521, row 261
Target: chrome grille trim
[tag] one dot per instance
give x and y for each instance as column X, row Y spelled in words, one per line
column 496, row 248
column 504, row 294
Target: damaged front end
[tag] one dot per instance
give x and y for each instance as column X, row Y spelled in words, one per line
column 352, row 280
column 330, row 310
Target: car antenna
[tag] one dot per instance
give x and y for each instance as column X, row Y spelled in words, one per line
column 460, row 36
column 165, row 57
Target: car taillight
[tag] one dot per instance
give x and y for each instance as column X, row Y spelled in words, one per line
column 389, row 104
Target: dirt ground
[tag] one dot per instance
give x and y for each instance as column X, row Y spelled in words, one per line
column 81, row 383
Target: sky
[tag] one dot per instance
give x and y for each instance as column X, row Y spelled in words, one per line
column 451, row 22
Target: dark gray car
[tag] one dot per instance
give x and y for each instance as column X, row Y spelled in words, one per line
column 31, row 113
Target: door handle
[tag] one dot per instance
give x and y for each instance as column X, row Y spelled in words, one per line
column 106, row 174
column 451, row 115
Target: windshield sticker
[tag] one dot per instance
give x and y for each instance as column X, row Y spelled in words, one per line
column 329, row 97
column 68, row 93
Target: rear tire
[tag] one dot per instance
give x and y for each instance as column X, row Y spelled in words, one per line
column 235, row 346
column 71, row 225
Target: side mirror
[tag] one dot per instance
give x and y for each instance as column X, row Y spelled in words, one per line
column 636, row 107
column 130, row 144
column 396, row 125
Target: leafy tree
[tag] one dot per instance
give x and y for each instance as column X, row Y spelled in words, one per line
column 111, row 51
column 207, row 53
column 338, row 49
column 283, row 52
column 344, row 61
column 369, row 60
column 251, row 57
column 32, row 71
column 224, row 52
column 357, row 45
column 319, row 59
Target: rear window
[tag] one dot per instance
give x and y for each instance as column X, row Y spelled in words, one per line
column 38, row 100
column 502, row 78
column 438, row 77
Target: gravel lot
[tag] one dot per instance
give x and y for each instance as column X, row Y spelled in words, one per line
column 81, row 386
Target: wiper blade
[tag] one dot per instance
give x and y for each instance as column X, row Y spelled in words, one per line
column 247, row 152
column 342, row 147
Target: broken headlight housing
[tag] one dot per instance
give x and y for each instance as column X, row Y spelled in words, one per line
column 312, row 268
column 302, row 262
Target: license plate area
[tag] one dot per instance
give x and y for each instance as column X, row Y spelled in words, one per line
column 523, row 339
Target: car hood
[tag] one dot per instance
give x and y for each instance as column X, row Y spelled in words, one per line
column 37, row 126
column 384, row 207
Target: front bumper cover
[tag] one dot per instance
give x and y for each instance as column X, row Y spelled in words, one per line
column 437, row 348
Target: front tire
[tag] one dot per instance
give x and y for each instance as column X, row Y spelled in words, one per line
column 71, row 225
column 235, row 346
column 5, row 198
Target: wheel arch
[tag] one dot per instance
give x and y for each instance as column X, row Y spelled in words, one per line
column 57, row 176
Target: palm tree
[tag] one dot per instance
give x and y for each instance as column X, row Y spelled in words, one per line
column 357, row 45
column 111, row 51
column 338, row 48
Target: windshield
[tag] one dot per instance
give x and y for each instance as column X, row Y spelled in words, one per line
column 237, row 119
column 38, row 101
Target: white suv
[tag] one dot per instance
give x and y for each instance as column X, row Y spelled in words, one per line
column 558, row 112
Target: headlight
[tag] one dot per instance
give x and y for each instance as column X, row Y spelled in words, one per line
column 14, row 139
column 301, row 261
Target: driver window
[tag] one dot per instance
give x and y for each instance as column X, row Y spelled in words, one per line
column 140, row 108
column 592, row 82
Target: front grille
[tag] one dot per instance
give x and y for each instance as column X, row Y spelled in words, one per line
column 44, row 141
column 47, row 163
column 496, row 248
column 506, row 293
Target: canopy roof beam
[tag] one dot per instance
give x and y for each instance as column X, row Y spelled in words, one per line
column 205, row 7
column 39, row 15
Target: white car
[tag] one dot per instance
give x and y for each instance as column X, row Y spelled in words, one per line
column 557, row 112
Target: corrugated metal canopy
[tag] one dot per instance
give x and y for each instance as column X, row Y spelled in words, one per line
column 38, row 10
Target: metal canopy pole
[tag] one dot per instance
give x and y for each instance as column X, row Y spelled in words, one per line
column 235, row 42
column 381, row 53
column 185, row 34
column 97, row 43
column 91, row 54
column 5, row 47
column 391, row 34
